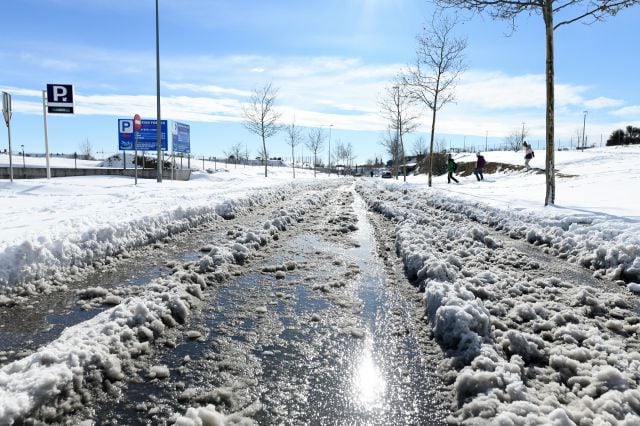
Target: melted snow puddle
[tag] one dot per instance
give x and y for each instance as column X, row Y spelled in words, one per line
column 44, row 321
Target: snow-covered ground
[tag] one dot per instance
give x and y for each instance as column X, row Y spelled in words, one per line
column 50, row 226
column 53, row 228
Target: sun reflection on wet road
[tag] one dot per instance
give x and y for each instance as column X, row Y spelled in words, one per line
column 369, row 385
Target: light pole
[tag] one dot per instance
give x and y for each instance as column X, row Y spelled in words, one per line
column 24, row 166
column 329, row 162
column 584, row 122
column 158, row 122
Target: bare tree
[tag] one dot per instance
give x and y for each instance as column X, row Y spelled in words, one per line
column 514, row 140
column 349, row 155
column 391, row 144
column 261, row 118
column 419, row 147
column 344, row 154
column 315, row 142
column 235, row 152
column 86, row 149
column 294, row 137
column 397, row 108
column 568, row 12
column 438, row 65
column 441, row 145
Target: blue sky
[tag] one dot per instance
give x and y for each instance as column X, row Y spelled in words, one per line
column 330, row 60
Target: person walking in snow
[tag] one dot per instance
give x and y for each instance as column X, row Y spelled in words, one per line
column 451, row 167
column 480, row 162
column 528, row 154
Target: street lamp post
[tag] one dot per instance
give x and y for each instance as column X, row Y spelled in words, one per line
column 158, row 120
column 24, row 166
column 584, row 122
column 329, row 162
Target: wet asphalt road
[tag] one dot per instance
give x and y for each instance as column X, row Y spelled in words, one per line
column 330, row 341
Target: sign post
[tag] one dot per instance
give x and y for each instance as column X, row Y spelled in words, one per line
column 137, row 125
column 46, row 133
column 6, row 112
column 57, row 99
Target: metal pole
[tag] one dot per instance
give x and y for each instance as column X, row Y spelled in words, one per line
column 135, row 158
column 486, row 136
column 584, row 122
column 46, row 133
column 10, row 153
column 159, row 121
column 7, row 97
column 24, row 166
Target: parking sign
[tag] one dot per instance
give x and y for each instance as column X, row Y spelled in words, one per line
column 60, row 98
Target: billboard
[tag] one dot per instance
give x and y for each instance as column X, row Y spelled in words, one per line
column 146, row 137
column 181, row 138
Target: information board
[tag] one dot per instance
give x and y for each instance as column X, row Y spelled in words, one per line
column 147, row 137
column 181, row 138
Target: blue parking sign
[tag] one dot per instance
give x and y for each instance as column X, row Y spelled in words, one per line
column 147, row 137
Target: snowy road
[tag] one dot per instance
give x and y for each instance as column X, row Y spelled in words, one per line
column 308, row 328
column 305, row 309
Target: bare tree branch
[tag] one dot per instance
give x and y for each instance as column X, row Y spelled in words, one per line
column 294, row 137
column 439, row 63
column 261, row 118
column 315, row 142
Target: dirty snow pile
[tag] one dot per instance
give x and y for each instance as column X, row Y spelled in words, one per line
column 595, row 222
column 102, row 352
column 522, row 346
column 74, row 223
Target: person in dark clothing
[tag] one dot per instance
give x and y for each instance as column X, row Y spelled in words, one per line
column 480, row 162
column 451, row 167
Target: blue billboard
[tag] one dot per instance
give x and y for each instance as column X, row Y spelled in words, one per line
column 147, row 136
column 181, row 138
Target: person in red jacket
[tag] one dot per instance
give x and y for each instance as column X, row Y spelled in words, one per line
column 480, row 162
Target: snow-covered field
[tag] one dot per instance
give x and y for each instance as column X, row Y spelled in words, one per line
column 52, row 229
column 53, row 226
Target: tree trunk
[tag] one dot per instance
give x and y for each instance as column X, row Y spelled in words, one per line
column 264, row 154
column 549, row 162
column 293, row 162
column 433, row 128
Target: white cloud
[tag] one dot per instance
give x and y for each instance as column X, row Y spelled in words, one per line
column 206, row 88
column 602, row 102
column 341, row 91
column 628, row 111
column 497, row 90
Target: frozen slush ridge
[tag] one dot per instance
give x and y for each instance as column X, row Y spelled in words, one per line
column 55, row 379
column 521, row 350
column 30, row 264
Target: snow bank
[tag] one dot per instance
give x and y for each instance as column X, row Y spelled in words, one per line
column 99, row 353
column 32, row 265
column 521, row 348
